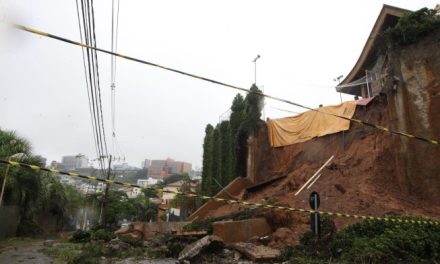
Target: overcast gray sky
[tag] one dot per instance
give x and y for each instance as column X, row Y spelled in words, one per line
column 303, row 46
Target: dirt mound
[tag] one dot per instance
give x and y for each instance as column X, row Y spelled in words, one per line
column 283, row 237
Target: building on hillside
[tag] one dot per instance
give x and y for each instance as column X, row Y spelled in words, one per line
column 74, row 162
column 166, row 212
column 67, row 180
column 132, row 192
column 163, row 168
column 92, row 188
column 147, row 182
column 365, row 79
column 170, row 189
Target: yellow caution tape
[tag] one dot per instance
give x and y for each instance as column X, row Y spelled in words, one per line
column 229, row 201
column 381, row 128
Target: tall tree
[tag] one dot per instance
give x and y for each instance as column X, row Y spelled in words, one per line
column 217, row 159
column 253, row 106
column 226, row 153
column 207, row 161
column 225, row 147
column 237, row 114
column 236, row 120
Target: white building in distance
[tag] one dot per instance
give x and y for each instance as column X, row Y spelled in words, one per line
column 74, row 162
column 147, row 182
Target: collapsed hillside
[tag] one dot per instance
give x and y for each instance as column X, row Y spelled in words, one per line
column 373, row 173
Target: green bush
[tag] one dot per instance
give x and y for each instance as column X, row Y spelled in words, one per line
column 102, row 234
column 93, row 251
column 90, row 254
column 369, row 241
column 133, row 242
column 413, row 26
column 200, row 225
column 29, row 228
column 80, row 236
column 374, row 241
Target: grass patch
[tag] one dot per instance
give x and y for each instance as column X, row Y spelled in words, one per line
column 63, row 252
column 15, row 242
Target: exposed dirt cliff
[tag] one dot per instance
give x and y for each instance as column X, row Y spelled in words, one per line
column 373, row 173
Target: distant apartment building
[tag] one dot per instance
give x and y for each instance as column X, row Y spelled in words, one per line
column 123, row 167
column 146, row 164
column 74, row 162
column 163, row 168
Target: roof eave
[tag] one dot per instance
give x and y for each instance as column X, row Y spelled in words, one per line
column 369, row 45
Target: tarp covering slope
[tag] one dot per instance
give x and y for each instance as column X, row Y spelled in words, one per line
column 303, row 127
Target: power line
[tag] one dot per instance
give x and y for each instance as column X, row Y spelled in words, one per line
column 92, row 79
column 114, row 45
column 87, row 82
column 381, row 128
column 285, row 110
column 97, row 75
column 92, row 76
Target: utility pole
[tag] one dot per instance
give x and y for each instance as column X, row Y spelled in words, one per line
column 4, row 182
column 338, row 79
column 102, row 219
column 19, row 157
column 255, row 68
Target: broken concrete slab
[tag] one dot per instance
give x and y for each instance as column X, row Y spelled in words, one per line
column 193, row 249
column 234, row 188
column 191, row 234
column 117, row 244
column 149, row 230
column 256, row 253
column 241, row 231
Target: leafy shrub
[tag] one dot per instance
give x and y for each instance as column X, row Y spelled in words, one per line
column 29, row 228
column 62, row 251
column 200, row 225
column 374, row 241
column 413, row 26
column 91, row 253
column 157, row 253
column 131, row 241
column 103, row 234
column 80, row 236
column 298, row 256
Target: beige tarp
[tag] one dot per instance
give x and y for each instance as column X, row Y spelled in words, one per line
column 310, row 124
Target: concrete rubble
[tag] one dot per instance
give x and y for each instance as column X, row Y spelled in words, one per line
column 241, row 231
column 148, row 231
column 256, row 253
column 117, row 244
column 195, row 248
column 238, row 238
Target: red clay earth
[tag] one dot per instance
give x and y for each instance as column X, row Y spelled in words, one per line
column 362, row 179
